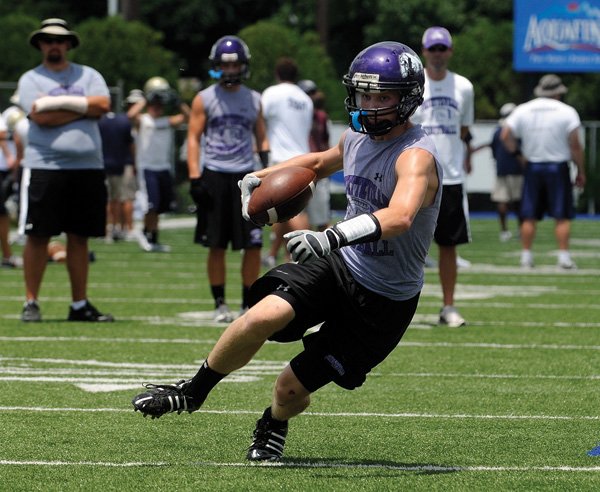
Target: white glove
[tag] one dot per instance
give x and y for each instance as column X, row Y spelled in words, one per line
column 247, row 185
column 305, row 245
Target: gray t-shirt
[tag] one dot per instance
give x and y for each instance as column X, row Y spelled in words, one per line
column 75, row 145
column 390, row 267
column 230, row 121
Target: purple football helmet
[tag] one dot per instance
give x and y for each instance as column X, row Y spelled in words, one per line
column 385, row 66
column 229, row 49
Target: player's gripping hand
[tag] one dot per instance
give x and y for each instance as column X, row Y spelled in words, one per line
column 247, row 185
column 306, row 246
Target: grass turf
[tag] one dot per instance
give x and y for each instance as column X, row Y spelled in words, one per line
column 509, row 402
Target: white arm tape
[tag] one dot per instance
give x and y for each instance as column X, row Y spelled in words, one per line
column 359, row 229
column 77, row 104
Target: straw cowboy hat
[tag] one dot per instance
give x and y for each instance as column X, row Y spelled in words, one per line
column 52, row 28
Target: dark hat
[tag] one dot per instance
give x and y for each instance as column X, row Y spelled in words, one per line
column 54, row 27
column 550, row 85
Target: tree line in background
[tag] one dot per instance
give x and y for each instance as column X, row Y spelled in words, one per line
column 172, row 38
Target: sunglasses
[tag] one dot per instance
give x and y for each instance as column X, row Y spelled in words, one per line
column 49, row 40
column 438, row 47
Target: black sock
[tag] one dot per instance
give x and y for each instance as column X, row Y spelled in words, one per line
column 268, row 415
column 218, row 293
column 203, row 382
column 245, row 295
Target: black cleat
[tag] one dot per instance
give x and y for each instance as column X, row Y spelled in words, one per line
column 268, row 439
column 164, row 398
column 88, row 313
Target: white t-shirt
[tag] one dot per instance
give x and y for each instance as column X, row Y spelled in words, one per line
column 288, row 113
column 543, row 125
column 154, row 143
column 447, row 106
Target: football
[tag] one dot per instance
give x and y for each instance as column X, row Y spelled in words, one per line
column 281, row 195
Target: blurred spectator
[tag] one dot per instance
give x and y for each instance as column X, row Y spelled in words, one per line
column 67, row 191
column 549, row 133
column 319, row 207
column 288, row 112
column 155, row 151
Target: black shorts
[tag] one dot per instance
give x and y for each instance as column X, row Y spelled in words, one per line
column 219, row 219
column 5, row 190
column 360, row 328
column 453, row 221
column 159, row 187
column 66, row 201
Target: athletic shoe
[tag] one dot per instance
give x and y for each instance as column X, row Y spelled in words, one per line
column 268, row 261
column 12, row 262
column 164, row 398
column 527, row 259
column 505, row 236
column 450, row 316
column 31, row 312
column 268, row 439
column 88, row 313
column 567, row 263
column 430, row 262
column 159, row 248
column 462, row 263
column 223, row 314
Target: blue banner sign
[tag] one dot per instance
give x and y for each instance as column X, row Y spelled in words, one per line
column 557, row 36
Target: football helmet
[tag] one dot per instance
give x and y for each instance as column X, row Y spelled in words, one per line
column 385, row 66
column 229, row 49
column 154, row 84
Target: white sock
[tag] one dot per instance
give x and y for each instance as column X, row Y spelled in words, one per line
column 78, row 304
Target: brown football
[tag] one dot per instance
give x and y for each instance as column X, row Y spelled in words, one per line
column 281, row 195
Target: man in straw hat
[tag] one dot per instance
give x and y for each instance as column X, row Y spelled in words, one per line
column 549, row 134
column 67, row 192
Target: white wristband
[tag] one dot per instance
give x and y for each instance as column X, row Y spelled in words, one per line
column 77, row 104
column 359, row 229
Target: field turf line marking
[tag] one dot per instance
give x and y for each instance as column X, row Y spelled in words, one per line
column 321, row 414
column 293, row 464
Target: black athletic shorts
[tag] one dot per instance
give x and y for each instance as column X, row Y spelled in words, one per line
column 453, row 220
column 219, row 218
column 159, row 188
column 360, row 328
column 66, row 201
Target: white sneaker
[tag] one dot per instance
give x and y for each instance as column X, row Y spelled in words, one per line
column 268, row 261
column 462, row 263
column 430, row 262
column 159, row 248
column 223, row 314
column 527, row 259
column 449, row 316
column 505, row 236
column 566, row 263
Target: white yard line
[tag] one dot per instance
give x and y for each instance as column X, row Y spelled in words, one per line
column 401, row 415
column 293, row 464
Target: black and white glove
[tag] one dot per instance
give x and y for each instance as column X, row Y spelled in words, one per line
column 247, row 186
column 305, row 246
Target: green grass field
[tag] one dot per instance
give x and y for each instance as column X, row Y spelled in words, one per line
column 510, row 402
